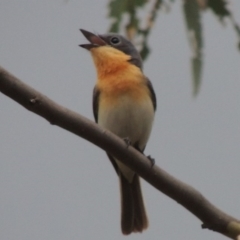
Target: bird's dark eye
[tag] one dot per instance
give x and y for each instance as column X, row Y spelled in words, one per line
column 115, row 40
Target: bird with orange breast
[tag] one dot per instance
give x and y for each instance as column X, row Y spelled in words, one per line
column 124, row 102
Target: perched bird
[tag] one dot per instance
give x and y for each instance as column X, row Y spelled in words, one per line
column 124, row 102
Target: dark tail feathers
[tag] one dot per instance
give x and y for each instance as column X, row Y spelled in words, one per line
column 134, row 218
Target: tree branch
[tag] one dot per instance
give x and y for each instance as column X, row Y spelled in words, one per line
column 188, row 197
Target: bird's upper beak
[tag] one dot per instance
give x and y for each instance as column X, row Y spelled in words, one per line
column 95, row 40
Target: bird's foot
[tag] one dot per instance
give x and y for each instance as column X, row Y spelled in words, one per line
column 127, row 141
column 152, row 160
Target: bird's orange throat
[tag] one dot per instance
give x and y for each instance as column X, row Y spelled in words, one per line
column 110, row 61
column 114, row 71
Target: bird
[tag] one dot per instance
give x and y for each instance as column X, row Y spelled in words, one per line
column 124, row 102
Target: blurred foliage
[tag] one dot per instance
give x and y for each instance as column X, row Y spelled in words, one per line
column 194, row 29
column 120, row 10
column 127, row 15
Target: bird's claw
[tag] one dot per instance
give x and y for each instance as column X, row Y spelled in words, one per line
column 152, row 160
column 127, row 141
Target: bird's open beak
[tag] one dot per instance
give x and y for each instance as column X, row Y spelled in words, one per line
column 95, row 41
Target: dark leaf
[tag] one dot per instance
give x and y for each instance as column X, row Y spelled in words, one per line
column 194, row 28
column 116, row 10
column 196, row 73
column 114, row 27
column 144, row 51
column 219, row 7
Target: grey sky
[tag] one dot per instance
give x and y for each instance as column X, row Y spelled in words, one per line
column 54, row 185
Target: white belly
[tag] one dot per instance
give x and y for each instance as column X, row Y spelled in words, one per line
column 128, row 119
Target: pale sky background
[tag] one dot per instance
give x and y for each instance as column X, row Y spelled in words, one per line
column 55, row 185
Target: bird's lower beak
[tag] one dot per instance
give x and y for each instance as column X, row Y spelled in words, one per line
column 95, row 41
